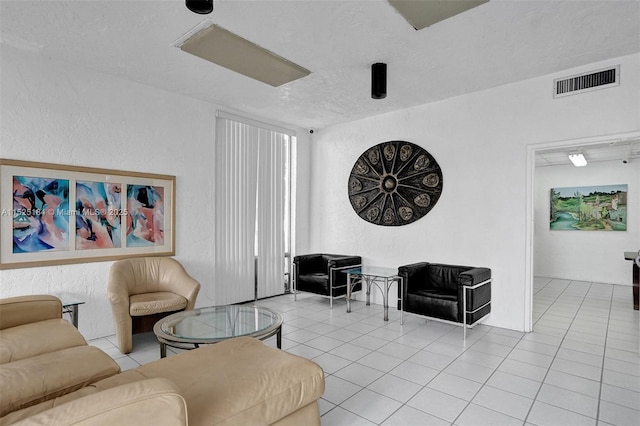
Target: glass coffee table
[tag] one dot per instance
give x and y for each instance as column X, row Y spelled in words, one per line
column 189, row 329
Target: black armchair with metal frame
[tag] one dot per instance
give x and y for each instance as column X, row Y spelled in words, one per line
column 323, row 274
column 449, row 293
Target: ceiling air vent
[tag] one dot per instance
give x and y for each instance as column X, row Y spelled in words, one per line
column 586, row 82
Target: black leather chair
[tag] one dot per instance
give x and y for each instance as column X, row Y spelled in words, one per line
column 322, row 274
column 437, row 291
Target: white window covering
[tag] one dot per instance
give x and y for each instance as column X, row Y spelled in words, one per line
column 249, row 217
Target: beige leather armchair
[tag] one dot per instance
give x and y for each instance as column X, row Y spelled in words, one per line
column 143, row 290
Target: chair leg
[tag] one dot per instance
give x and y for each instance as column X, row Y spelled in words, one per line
column 464, row 313
column 294, row 283
column 330, row 283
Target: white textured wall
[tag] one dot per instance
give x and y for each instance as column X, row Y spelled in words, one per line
column 57, row 113
column 586, row 256
column 60, row 113
column 480, row 142
column 53, row 112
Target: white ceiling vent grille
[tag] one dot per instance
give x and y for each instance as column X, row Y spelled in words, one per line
column 586, row 82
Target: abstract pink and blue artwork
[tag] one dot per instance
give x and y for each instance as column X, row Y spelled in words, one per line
column 40, row 214
column 145, row 216
column 98, row 212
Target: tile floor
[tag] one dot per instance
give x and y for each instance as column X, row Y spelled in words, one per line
column 581, row 365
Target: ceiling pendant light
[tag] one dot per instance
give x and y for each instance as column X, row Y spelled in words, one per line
column 200, row 6
column 379, row 80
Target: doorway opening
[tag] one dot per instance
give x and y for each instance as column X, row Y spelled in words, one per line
column 552, row 153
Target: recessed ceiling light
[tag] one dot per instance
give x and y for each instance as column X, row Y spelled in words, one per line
column 222, row 47
column 578, row 160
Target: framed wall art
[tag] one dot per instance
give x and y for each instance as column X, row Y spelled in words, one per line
column 588, row 208
column 394, row 183
column 54, row 214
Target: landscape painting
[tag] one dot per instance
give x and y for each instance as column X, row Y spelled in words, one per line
column 589, row 208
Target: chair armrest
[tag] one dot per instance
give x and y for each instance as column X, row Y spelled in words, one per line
column 336, row 264
column 344, row 261
column 478, row 280
column 474, row 276
column 414, row 276
column 118, row 290
column 176, row 279
column 147, row 402
column 22, row 310
column 118, row 295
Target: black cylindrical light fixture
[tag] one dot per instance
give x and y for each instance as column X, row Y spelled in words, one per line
column 200, row 6
column 379, row 80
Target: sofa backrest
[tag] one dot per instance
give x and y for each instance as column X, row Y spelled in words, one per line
column 443, row 276
column 317, row 263
column 327, row 257
column 21, row 310
column 311, row 264
column 37, row 338
column 152, row 274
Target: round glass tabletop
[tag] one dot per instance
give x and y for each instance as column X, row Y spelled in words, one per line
column 216, row 323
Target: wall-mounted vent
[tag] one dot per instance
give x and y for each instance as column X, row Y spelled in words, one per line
column 586, row 82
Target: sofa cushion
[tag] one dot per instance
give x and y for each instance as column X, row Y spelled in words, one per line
column 29, row 340
column 434, row 307
column 309, row 415
column 439, row 294
column 32, row 380
column 153, row 303
column 145, row 402
column 273, row 383
column 314, row 283
column 239, row 381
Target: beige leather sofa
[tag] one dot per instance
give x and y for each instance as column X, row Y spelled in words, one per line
column 49, row 375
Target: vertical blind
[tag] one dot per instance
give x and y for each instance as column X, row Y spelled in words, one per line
column 270, row 213
column 249, row 210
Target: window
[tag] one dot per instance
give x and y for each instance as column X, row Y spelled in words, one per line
column 252, row 170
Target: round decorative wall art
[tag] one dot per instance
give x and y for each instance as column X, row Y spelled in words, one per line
column 394, row 183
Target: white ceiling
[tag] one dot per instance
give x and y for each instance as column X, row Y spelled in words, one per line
column 618, row 150
column 499, row 42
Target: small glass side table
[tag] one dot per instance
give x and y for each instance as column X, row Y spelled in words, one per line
column 381, row 278
column 70, row 306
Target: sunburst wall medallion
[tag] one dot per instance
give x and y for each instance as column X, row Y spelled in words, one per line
column 394, row 183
